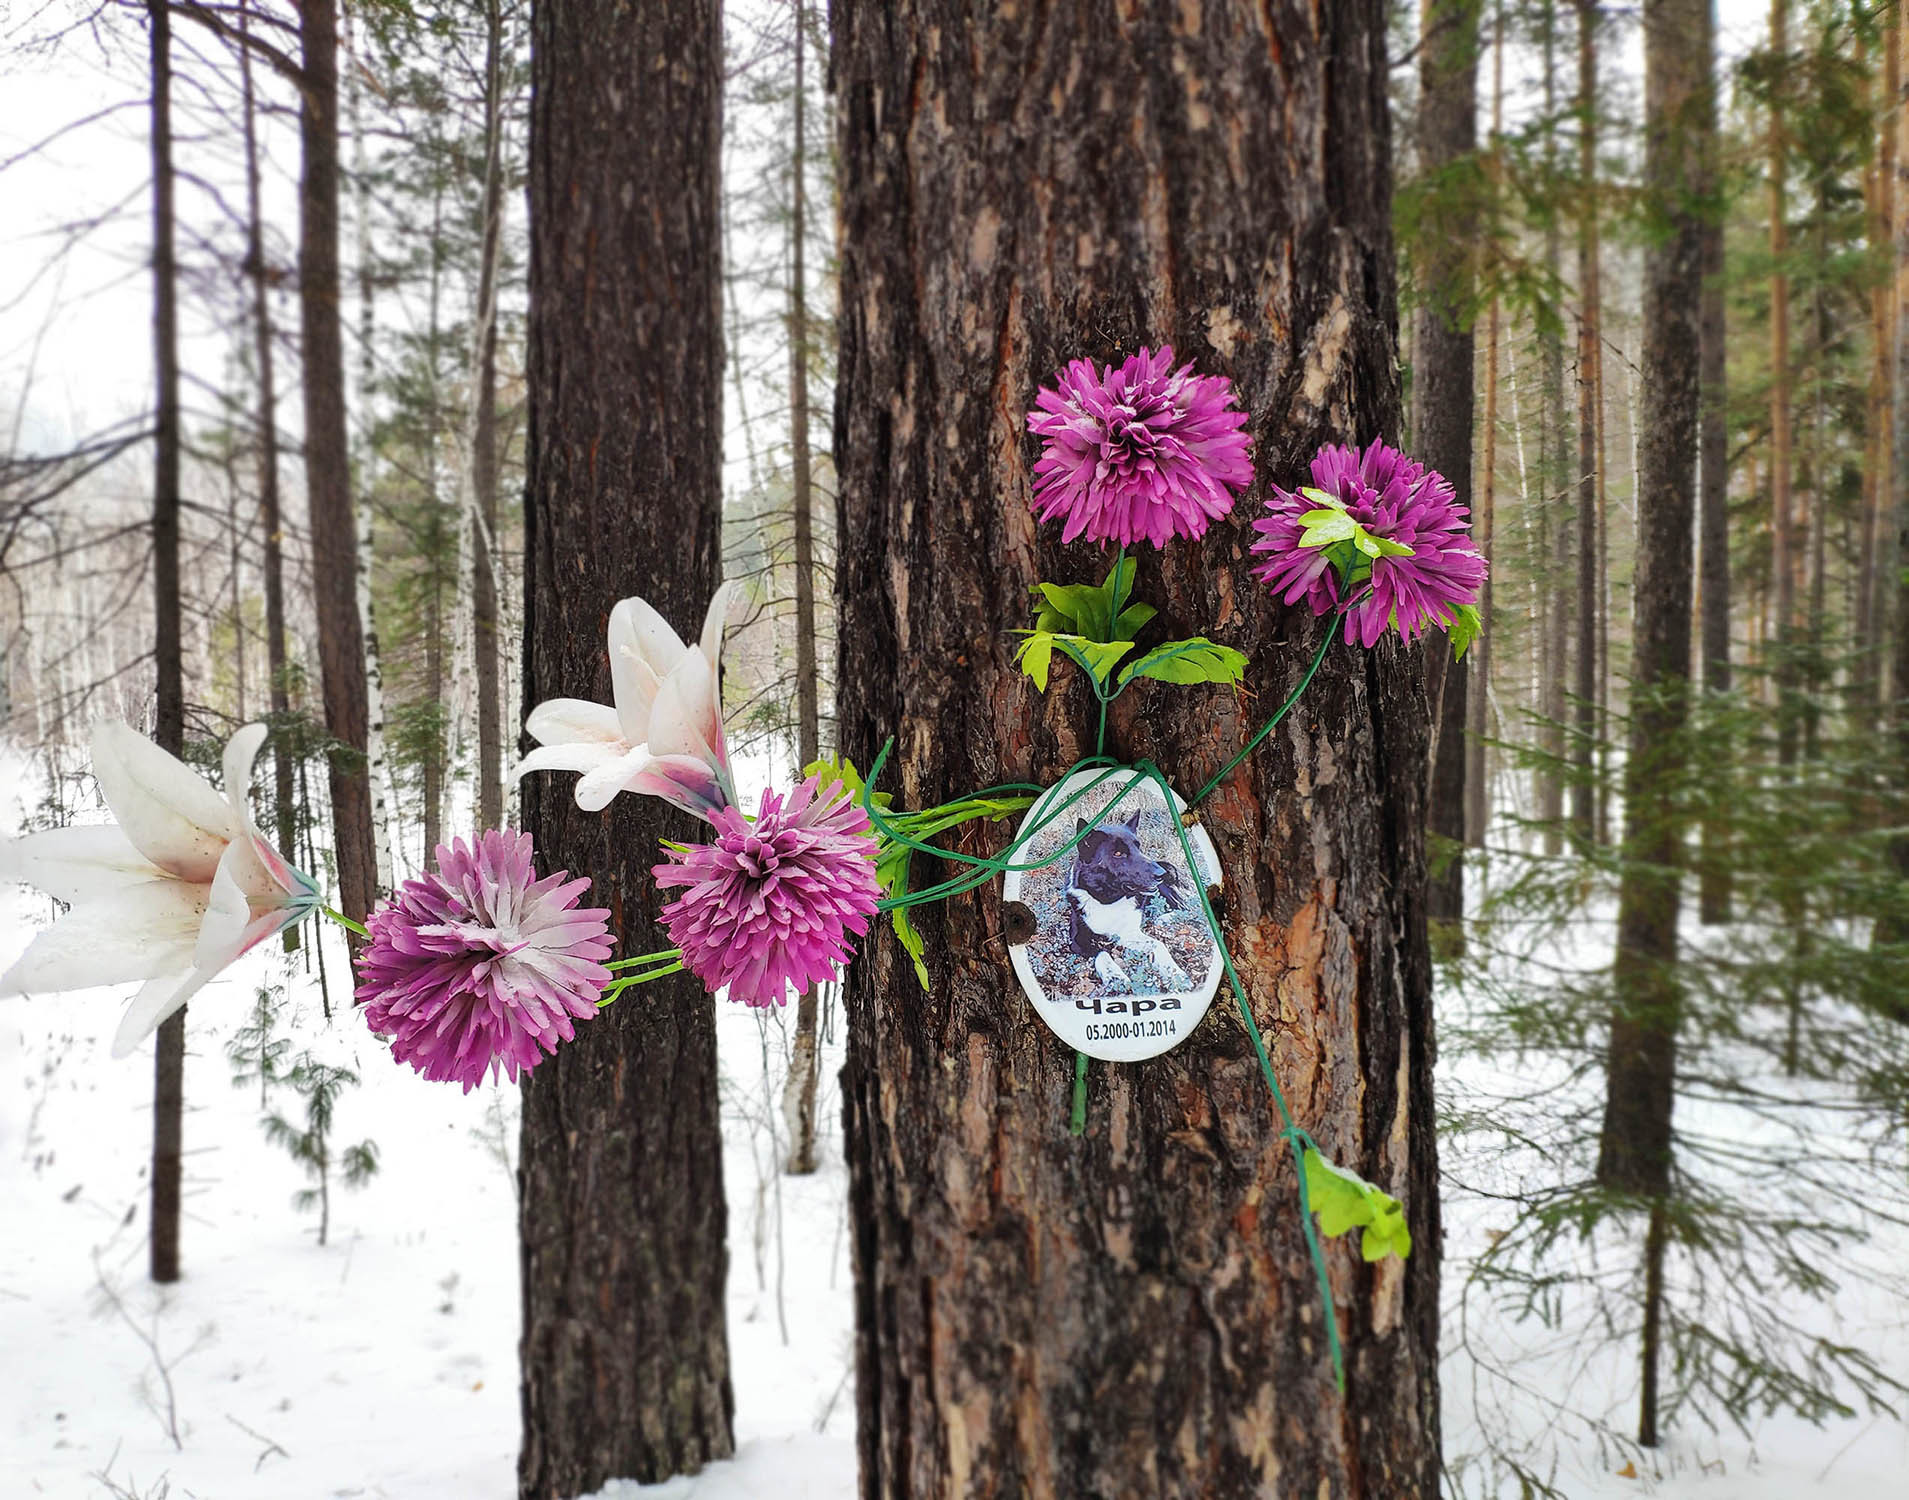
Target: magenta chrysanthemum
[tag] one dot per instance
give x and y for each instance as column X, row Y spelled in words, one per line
column 1145, row 452
column 1396, row 500
column 770, row 904
column 481, row 966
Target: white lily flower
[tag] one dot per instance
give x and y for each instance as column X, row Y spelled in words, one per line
column 171, row 893
column 664, row 737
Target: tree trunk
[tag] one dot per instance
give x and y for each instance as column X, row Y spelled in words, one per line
column 1590, row 448
column 273, row 569
column 1555, row 471
column 799, row 1105
column 1127, row 1312
column 341, row 645
column 1477, row 785
column 1634, row 1154
column 1714, row 498
column 1876, row 476
column 376, row 772
column 622, row 1220
column 1442, row 380
column 488, row 664
column 169, row 719
column 1783, row 542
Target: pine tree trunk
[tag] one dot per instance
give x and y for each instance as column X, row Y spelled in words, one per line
column 1783, row 542
column 341, row 645
column 1714, row 498
column 1866, row 684
column 169, row 720
column 622, row 1219
column 1590, row 465
column 1442, row 384
column 1478, row 700
column 488, row 663
column 799, row 1105
column 1128, row 1312
column 1555, row 478
column 1634, row 1155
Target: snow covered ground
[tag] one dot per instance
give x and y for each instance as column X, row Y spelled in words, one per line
column 383, row 1364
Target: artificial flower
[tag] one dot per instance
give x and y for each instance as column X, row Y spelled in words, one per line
column 664, row 737
column 770, row 904
column 1142, row 452
column 171, row 892
column 1375, row 515
column 480, row 966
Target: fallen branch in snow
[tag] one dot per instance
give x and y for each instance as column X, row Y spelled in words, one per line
column 169, row 1417
column 267, row 1451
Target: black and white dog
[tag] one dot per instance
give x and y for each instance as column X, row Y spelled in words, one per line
column 1107, row 894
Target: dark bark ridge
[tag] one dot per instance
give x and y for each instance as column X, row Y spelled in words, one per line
column 1131, row 1312
column 622, row 1219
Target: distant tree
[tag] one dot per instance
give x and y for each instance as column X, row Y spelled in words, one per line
column 319, row 1086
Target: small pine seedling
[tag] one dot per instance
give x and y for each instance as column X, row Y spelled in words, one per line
column 319, row 1085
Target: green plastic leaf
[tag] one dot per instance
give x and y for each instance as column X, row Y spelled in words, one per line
column 1097, row 658
column 1132, row 618
column 1035, row 654
column 912, row 941
column 1466, row 627
column 1345, row 1200
column 1320, row 498
column 842, row 769
column 1088, row 610
column 1378, row 546
column 1185, row 662
column 1326, row 526
column 1126, row 568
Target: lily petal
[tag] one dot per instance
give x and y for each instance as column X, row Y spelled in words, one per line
column 682, row 781
column 643, row 651
column 714, row 619
column 686, row 719
column 585, row 757
column 240, row 751
column 172, row 816
column 76, row 864
column 562, row 721
column 158, row 999
column 597, row 786
column 136, row 932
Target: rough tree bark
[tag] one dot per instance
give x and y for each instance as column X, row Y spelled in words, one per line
column 1635, row 1151
column 1442, row 382
column 622, row 1220
column 799, row 1103
column 1128, row 1312
column 169, row 719
column 1881, row 182
column 341, row 645
column 1714, row 496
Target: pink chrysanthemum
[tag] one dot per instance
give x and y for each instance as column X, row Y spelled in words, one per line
column 1396, row 500
column 481, row 966
column 770, row 904
column 1145, row 452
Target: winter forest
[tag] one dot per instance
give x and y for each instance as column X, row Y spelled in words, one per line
column 817, row 748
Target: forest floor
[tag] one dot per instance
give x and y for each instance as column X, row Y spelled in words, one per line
column 383, row 1364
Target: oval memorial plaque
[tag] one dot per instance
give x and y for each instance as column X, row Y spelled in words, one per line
column 1110, row 942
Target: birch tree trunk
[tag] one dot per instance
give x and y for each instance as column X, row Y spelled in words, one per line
column 484, row 590
column 1129, row 1312
column 622, row 1221
column 376, row 771
column 169, row 720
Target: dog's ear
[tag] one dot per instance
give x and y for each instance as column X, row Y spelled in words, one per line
column 1132, row 820
column 1080, row 825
